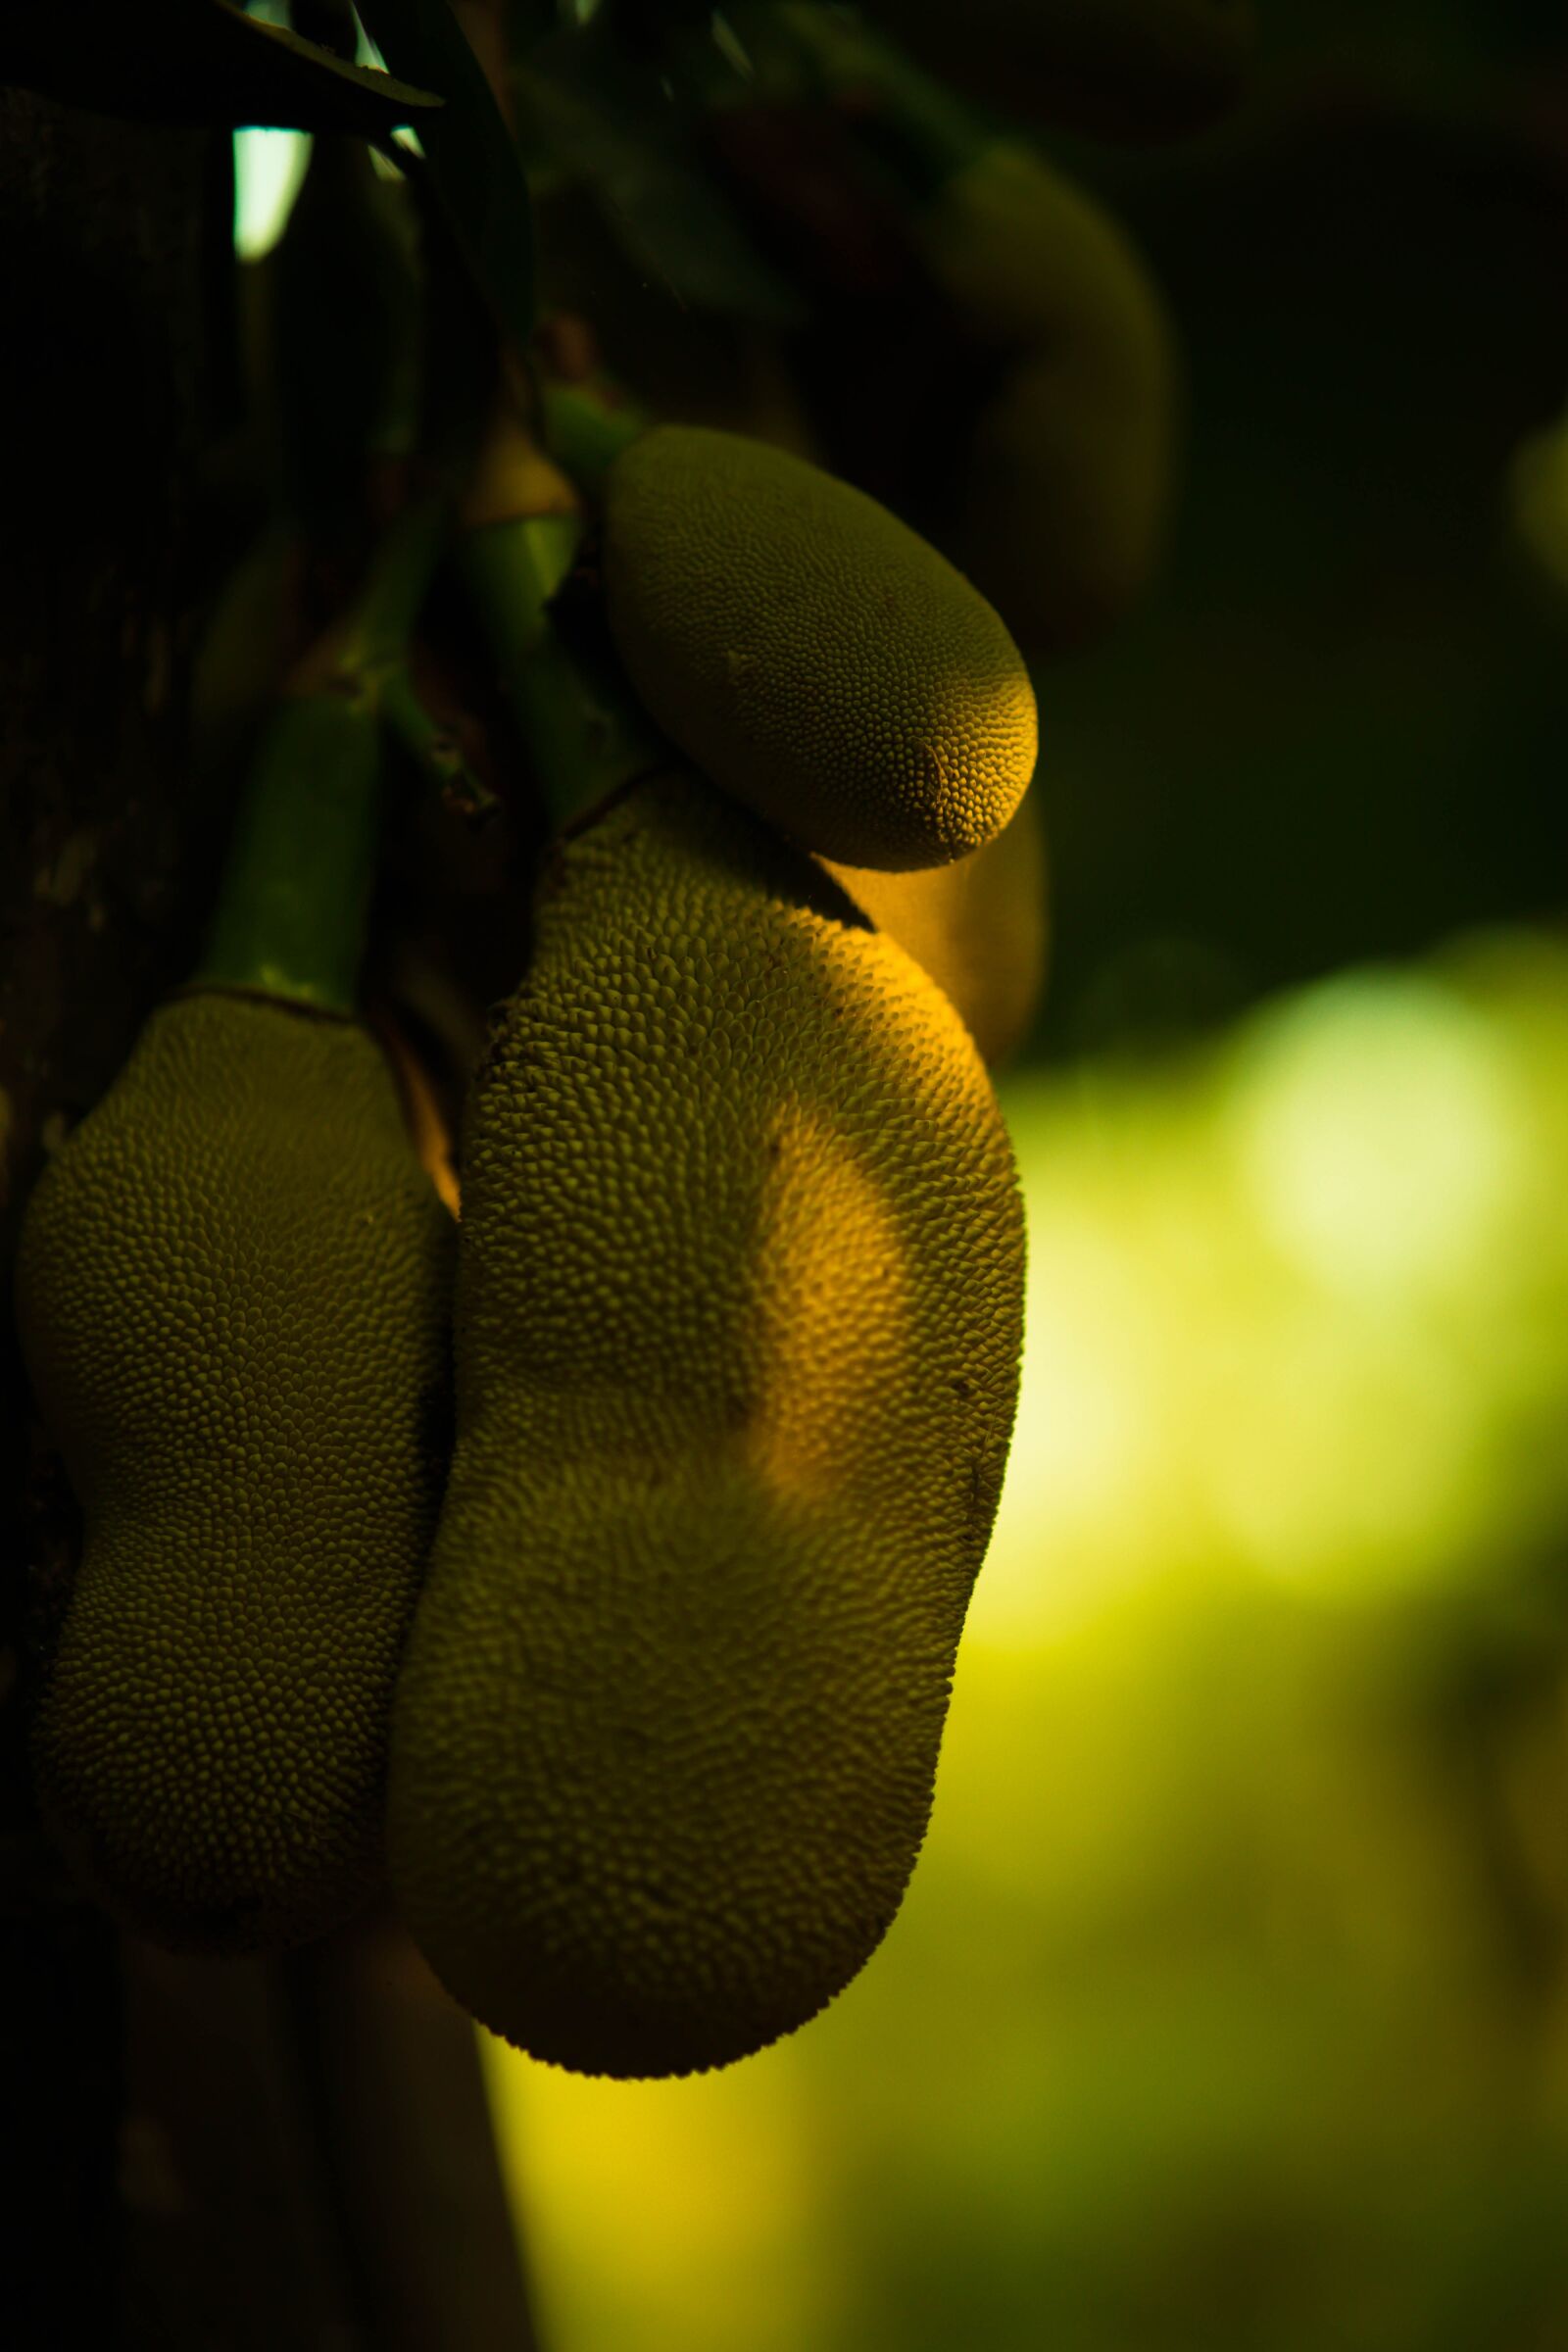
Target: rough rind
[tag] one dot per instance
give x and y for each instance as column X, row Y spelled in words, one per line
column 232, row 1296
column 811, row 653
column 738, row 1324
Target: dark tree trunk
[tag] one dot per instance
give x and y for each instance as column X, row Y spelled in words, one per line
column 196, row 2154
column 102, row 389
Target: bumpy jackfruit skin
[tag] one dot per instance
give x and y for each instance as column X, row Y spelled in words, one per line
column 1065, row 485
column 233, row 1294
column 737, row 1329
column 812, row 654
column 978, row 927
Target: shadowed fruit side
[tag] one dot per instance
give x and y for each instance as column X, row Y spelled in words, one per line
column 231, row 1295
column 1063, row 488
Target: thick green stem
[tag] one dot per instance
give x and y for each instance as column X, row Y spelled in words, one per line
column 585, row 732
column 433, row 751
column 381, row 621
column 291, row 910
column 290, row 915
column 586, row 434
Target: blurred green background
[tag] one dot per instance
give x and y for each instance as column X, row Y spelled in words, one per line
column 1228, row 2008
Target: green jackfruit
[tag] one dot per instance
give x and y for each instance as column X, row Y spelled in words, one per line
column 1064, row 488
column 811, row 653
column 737, row 1334
column 231, row 1294
column 978, row 927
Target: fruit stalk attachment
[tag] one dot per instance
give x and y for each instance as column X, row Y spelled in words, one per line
column 585, row 735
column 291, row 910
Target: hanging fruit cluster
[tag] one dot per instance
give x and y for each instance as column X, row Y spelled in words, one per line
column 596, row 1569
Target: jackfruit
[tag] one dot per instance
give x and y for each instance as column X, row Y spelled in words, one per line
column 232, row 1294
column 737, row 1333
column 1064, row 486
column 978, row 927
column 812, row 654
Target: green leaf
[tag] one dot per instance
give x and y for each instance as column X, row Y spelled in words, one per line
column 475, row 169
column 196, row 61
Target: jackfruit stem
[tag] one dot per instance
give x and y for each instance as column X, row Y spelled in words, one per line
column 586, row 434
column 433, row 749
column 293, row 904
column 290, row 915
column 585, row 732
column 378, row 625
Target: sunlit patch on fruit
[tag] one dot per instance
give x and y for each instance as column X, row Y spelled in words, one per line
column 826, row 1212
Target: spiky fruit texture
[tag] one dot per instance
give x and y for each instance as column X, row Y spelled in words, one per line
column 810, row 652
column 738, row 1324
column 232, row 1298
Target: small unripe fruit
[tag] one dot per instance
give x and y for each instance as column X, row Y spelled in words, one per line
column 811, row 653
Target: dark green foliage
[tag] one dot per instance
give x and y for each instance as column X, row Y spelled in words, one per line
column 196, row 61
column 475, row 174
